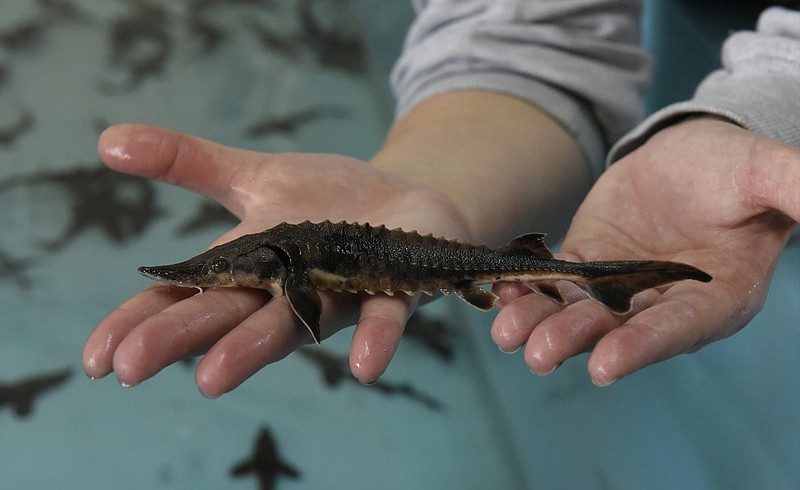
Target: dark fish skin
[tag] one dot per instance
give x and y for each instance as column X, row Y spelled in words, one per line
column 298, row 259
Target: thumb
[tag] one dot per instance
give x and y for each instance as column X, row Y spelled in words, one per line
column 773, row 177
column 193, row 163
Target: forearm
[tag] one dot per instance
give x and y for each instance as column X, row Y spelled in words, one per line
column 579, row 61
column 507, row 108
column 505, row 165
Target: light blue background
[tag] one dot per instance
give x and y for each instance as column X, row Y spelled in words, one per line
column 725, row 417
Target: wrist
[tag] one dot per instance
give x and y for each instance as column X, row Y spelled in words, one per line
column 505, row 165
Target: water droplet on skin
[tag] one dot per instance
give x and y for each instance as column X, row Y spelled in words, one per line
column 118, row 152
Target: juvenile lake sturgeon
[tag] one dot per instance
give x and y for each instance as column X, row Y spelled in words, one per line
column 299, row 259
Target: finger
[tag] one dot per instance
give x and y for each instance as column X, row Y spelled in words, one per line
column 266, row 336
column 190, row 162
column 680, row 322
column 98, row 352
column 772, row 177
column 377, row 335
column 565, row 334
column 507, row 292
column 516, row 320
column 185, row 327
column 524, row 311
column 575, row 330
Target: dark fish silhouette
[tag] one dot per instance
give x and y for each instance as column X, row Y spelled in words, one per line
column 63, row 10
column 432, row 333
column 207, row 35
column 265, row 463
column 141, row 44
column 288, row 46
column 30, row 33
column 290, row 123
column 5, row 75
column 120, row 205
column 21, row 394
column 300, row 259
column 329, row 45
column 336, row 369
column 13, row 268
column 23, row 124
column 209, row 213
column 332, row 46
column 24, row 35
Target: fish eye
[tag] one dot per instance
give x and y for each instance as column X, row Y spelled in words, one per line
column 220, row 264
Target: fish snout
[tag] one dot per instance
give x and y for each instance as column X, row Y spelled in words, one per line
column 169, row 274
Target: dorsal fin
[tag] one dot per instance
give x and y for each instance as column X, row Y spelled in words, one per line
column 532, row 243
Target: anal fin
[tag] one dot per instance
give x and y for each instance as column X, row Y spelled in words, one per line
column 304, row 300
column 477, row 297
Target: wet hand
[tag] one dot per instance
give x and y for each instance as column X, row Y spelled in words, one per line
column 704, row 192
column 242, row 330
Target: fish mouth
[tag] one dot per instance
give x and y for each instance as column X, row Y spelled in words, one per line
column 168, row 274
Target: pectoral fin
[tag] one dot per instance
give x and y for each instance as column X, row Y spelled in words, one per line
column 477, row 297
column 304, row 300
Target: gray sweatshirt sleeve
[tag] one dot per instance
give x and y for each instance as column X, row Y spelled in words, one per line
column 579, row 60
column 758, row 86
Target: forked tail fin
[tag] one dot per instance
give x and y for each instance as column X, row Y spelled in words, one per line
column 615, row 283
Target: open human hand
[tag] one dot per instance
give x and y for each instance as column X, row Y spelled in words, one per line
column 705, row 192
column 242, row 330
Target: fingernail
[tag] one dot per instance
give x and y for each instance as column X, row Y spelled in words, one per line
column 368, row 383
column 557, row 365
column 603, row 384
column 511, row 351
column 206, row 395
